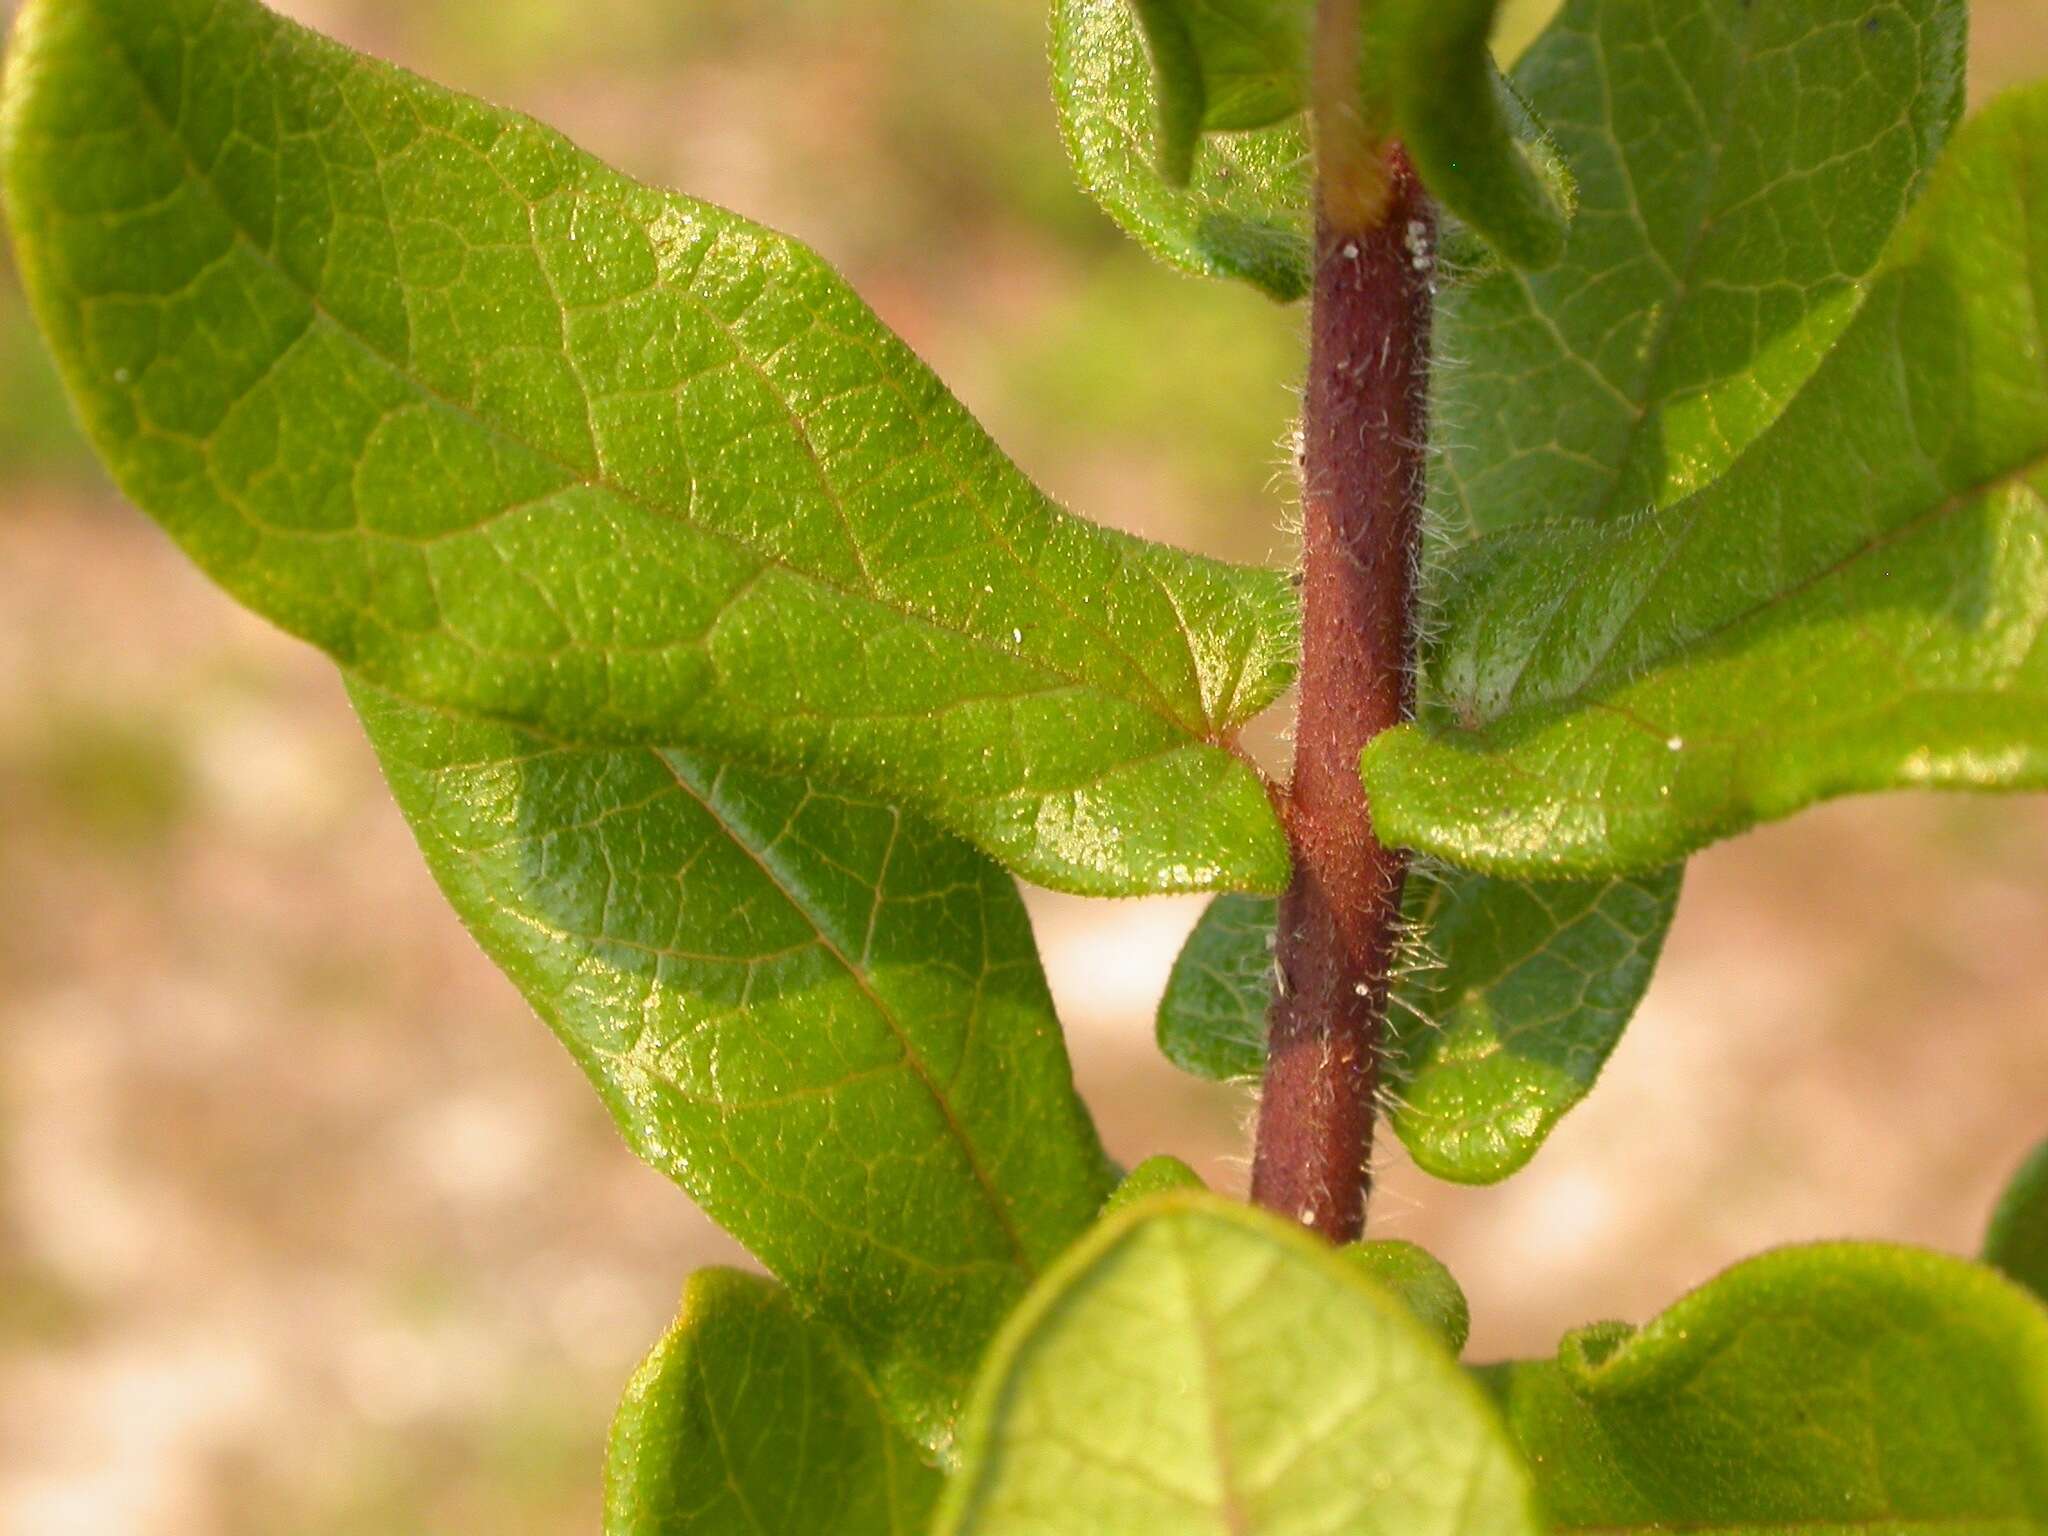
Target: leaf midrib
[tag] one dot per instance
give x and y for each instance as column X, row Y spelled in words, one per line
column 912, row 1058
column 1230, row 1502
column 1209, row 732
column 915, row 1062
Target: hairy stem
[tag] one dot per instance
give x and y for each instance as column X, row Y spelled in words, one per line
column 1363, row 432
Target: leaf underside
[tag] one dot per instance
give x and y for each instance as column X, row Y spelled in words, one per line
column 509, row 434
column 821, row 1016
column 1827, row 1390
column 1205, row 1369
column 748, row 1419
column 1512, row 999
column 1241, row 211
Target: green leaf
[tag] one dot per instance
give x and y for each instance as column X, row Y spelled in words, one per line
column 2018, row 1240
column 1212, row 1018
column 1523, row 993
column 823, row 1017
column 1155, row 1176
column 1515, row 997
column 1738, row 168
column 1205, row 1369
column 1462, row 124
column 749, row 1420
column 1423, row 1284
column 1242, row 209
column 1860, row 603
column 509, row 434
column 1220, row 66
column 1837, row 1389
column 1228, row 192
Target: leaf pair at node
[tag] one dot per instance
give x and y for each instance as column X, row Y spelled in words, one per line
column 1425, row 78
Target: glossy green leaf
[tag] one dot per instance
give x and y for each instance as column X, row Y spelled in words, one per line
column 824, row 1018
column 1514, row 996
column 1202, row 1368
column 750, row 1420
column 509, row 434
column 1463, row 126
column 1737, row 169
column 1222, row 65
column 1421, row 1282
column 2018, row 1240
column 1829, row 1390
column 1860, row 603
column 1155, row 1176
column 1242, row 209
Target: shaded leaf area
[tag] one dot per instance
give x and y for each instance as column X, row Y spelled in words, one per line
column 823, row 1017
column 507, row 433
column 1737, row 170
column 1421, row 1282
column 1241, row 211
column 2018, row 1240
column 1836, row 1389
column 748, row 1419
column 1206, row 1369
column 1478, row 146
column 1513, row 997
column 1212, row 1017
column 1860, row 603
column 1220, row 66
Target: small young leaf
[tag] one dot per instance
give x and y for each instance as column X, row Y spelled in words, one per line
column 1155, row 1176
column 1178, row 84
column 509, row 434
column 1221, row 66
column 1845, row 1388
column 824, row 1018
column 1419, row 1278
column 1201, row 1368
column 1738, row 167
column 1860, row 603
column 750, row 1420
column 1518, row 994
column 1462, row 125
column 2018, row 1240
column 1242, row 209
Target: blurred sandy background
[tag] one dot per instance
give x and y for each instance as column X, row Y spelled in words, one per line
column 307, row 1227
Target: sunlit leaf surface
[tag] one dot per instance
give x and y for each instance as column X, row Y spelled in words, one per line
column 1205, row 1369
column 509, row 434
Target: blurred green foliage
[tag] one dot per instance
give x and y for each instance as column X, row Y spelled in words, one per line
column 119, row 786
